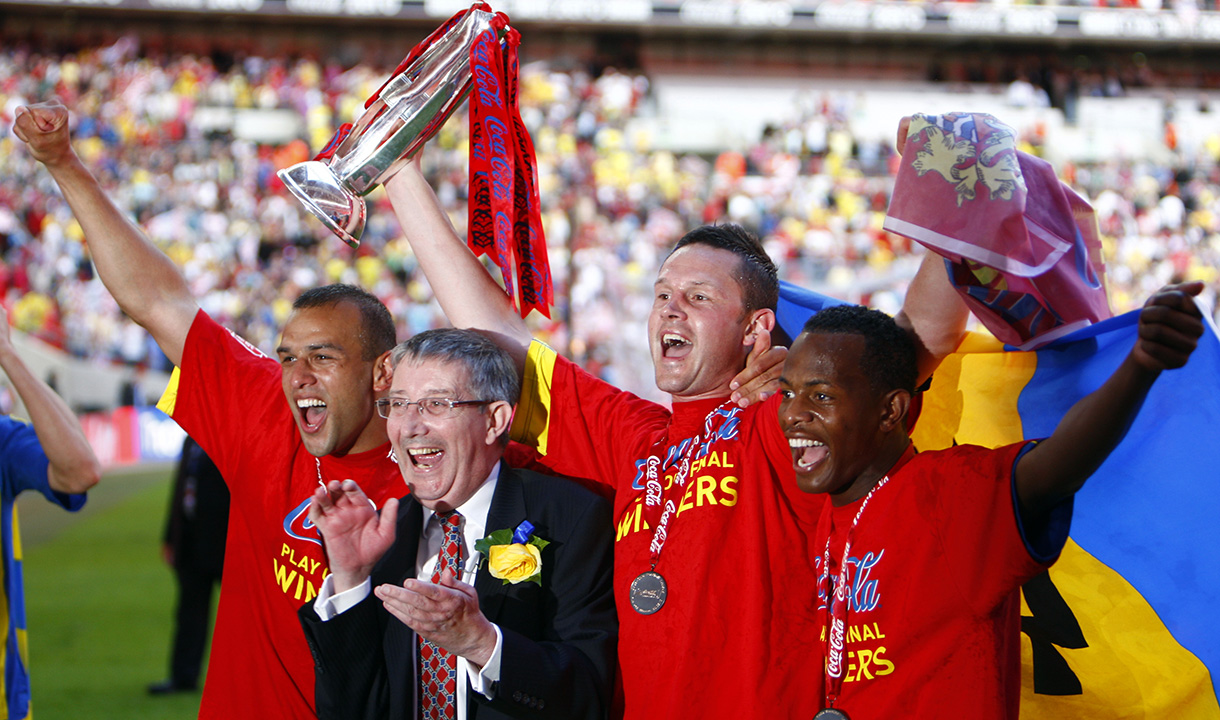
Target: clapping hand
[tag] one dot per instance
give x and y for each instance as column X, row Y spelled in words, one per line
column 447, row 614
column 354, row 535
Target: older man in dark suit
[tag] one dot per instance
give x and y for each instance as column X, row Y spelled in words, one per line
column 395, row 631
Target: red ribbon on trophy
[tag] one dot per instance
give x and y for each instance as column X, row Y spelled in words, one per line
column 533, row 267
column 505, row 221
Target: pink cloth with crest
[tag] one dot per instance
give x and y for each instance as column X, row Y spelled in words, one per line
column 1022, row 247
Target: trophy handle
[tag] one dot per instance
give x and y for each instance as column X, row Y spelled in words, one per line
column 324, row 195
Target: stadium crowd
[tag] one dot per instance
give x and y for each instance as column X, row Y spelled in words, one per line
column 611, row 202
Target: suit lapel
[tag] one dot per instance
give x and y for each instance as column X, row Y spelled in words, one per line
column 507, row 511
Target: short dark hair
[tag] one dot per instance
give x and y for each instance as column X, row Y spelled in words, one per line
column 490, row 369
column 759, row 278
column 377, row 331
column 889, row 352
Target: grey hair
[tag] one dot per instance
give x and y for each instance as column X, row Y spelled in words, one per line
column 491, row 371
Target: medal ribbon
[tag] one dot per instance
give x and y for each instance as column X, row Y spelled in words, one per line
column 654, row 495
column 836, row 608
column 505, row 220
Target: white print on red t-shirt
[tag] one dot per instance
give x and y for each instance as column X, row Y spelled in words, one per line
column 242, row 341
column 865, row 594
column 727, row 430
column 866, row 655
column 711, row 480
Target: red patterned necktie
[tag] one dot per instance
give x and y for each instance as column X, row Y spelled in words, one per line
column 437, row 666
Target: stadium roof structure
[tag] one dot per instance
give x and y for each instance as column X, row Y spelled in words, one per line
column 815, row 18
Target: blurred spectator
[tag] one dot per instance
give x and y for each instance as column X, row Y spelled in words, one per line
column 194, row 546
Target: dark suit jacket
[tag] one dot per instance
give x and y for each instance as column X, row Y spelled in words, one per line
column 560, row 638
column 198, row 520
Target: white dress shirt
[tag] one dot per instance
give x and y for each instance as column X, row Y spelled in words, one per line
column 474, row 526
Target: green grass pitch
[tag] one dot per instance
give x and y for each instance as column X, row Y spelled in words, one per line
column 99, row 601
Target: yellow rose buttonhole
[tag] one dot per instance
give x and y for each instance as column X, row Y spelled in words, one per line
column 513, row 556
column 514, row 563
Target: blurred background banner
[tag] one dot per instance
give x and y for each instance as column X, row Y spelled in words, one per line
column 1121, row 627
column 128, row 435
column 1181, row 22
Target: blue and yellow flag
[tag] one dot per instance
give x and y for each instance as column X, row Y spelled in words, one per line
column 1121, row 626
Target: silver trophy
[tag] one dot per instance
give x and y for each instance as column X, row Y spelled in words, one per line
column 407, row 112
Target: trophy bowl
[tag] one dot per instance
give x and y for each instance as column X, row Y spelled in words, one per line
column 323, row 194
column 405, row 113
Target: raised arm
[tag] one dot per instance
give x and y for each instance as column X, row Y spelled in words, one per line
column 146, row 283
column 933, row 314
column 467, row 293
column 1170, row 325
column 73, row 467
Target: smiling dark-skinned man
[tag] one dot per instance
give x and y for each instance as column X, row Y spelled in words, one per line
column 923, row 554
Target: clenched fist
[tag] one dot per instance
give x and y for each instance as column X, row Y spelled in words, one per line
column 44, row 128
column 1170, row 325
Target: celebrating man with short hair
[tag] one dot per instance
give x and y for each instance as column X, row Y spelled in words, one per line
column 922, row 555
column 231, row 399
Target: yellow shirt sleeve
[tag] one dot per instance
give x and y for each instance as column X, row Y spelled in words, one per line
column 532, row 420
column 169, row 398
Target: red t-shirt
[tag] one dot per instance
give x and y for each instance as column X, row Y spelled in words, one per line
column 933, row 625
column 230, row 400
column 735, row 637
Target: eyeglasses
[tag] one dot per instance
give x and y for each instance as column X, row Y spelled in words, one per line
column 432, row 407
